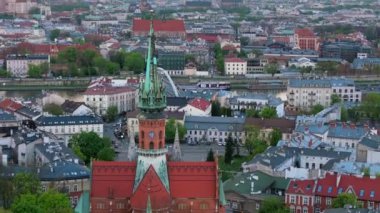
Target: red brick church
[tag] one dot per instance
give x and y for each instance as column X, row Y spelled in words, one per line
column 154, row 180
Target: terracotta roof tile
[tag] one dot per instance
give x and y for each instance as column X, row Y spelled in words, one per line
column 200, row 103
column 158, row 25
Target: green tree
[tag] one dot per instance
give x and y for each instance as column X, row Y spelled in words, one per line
column 220, row 64
column 53, row 109
column 54, row 34
column 215, row 109
column 4, row 73
column 344, row 199
column 268, row 112
column 330, row 67
column 89, row 145
column 371, row 105
column 304, row 70
column 335, row 99
column 273, row 205
column 26, row 203
column 111, row 113
column 119, row 58
column 103, row 65
column 69, row 54
column 244, row 41
column 229, row 150
column 366, row 171
column 275, row 136
column 34, row 71
column 170, row 129
column 343, row 114
column 6, row 192
column 271, row 69
column 226, row 111
column 26, row 183
column 252, row 133
column 210, row 156
column 135, row 62
column 252, row 113
column 316, row 108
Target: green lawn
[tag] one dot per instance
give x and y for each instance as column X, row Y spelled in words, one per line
column 229, row 170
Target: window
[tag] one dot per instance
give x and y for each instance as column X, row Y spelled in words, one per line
column 329, row 190
column 328, row 201
column 75, row 187
column 361, row 193
column 304, row 211
column 257, row 206
column 292, row 199
column 319, row 188
column 305, row 201
column 340, row 190
column 44, row 188
column 100, row 205
column 120, row 205
column 151, row 145
column 372, row 194
column 317, row 200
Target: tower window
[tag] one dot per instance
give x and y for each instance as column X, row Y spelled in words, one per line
column 151, row 145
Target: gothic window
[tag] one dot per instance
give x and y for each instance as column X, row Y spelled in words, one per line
column 151, row 145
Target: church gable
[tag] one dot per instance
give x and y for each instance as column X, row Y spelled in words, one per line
column 150, row 186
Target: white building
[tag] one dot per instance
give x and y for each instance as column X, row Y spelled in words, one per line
column 18, row 65
column 104, row 95
column 197, row 107
column 66, row 126
column 235, row 66
column 346, row 90
column 302, row 62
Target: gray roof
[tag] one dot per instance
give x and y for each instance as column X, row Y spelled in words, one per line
column 306, row 83
column 371, row 141
column 176, row 101
column 343, row 130
column 220, row 123
column 314, row 128
column 359, row 63
column 5, row 116
column 55, row 151
column 27, row 57
column 63, row 170
column 28, row 112
column 68, row 120
column 26, row 136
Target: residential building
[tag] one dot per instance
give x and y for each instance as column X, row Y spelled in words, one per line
column 365, row 63
column 346, row 135
column 19, row 7
column 104, row 95
column 175, row 103
column 303, row 94
column 198, row 4
column 344, row 50
column 66, row 126
column 302, row 62
column 75, row 108
column 53, row 149
column 8, row 123
column 23, row 143
column 66, row 176
column 213, row 129
column 317, row 195
column 172, row 61
column 163, row 28
column 346, row 90
column 197, row 107
column 267, row 126
column 256, row 101
column 245, row 192
column 256, row 65
column 151, row 182
column 18, row 65
column 305, row 39
column 235, row 66
column 368, row 149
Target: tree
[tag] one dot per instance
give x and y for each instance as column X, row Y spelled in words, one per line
column 252, row 113
column 135, row 62
column 69, row 54
column 6, row 192
column 88, row 146
column 344, row 199
column 170, row 129
column 111, row 113
column 4, row 73
column 304, row 70
column 34, row 71
column 343, row 114
column 229, row 150
column 366, row 171
column 215, row 109
column 271, row 69
column 210, row 156
column 335, row 99
column 371, row 105
column 118, row 58
column 316, row 109
column 53, row 109
column 275, row 136
column 26, row 183
column 268, row 112
column 252, row 137
column 330, row 67
column 54, row 34
column 47, row 202
column 244, row 41
column 273, row 205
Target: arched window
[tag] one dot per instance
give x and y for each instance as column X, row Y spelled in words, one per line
column 160, row 145
column 151, row 145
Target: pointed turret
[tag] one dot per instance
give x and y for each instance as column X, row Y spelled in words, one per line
column 131, row 153
column 176, row 153
column 148, row 206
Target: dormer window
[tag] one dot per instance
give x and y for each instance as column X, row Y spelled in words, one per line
column 329, row 190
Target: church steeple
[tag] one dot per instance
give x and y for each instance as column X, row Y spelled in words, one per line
column 152, row 95
column 176, row 152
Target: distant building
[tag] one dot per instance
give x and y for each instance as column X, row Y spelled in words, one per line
column 162, row 28
column 231, row 3
column 235, row 66
column 302, row 62
column 18, row 65
column 344, row 50
column 66, row 126
column 172, row 61
column 8, row 122
column 19, row 7
column 102, row 95
column 197, row 107
column 365, row 63
column 368, row 149
column 305, row 39
column 256, row 101
column 198, row 4
column 213, row 129
column 75, row 108
column 266, row 126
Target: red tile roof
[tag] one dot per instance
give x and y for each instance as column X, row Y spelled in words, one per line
column 51, row 49
column 233, row 60
column 305, row 32
column 200, row 103
column 304, row 187
column 107, row 90
column 158, row 25
column 10, row 105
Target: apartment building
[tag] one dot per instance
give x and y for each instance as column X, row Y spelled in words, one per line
column 18, row 65
column 305, row 39
column 235, row 66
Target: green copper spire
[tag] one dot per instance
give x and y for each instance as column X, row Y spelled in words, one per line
column 152, row 95
column 148, row 206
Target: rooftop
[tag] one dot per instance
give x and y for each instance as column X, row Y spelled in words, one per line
column 68, row 120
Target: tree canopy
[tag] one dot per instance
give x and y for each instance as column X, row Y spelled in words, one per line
column 275, row 136
column 88, row 146
column 271, row 69
column 268, row 112
column 135, row 62
column 111, row 113
column 210, row 156
column 335, row 99
column 170, row 129
column 37, row 71
column 53, row 109
column 316, row 108
column 229, row 150
column 54, row 34
column 371, row 105
column 273, row 205
column 344, row 199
